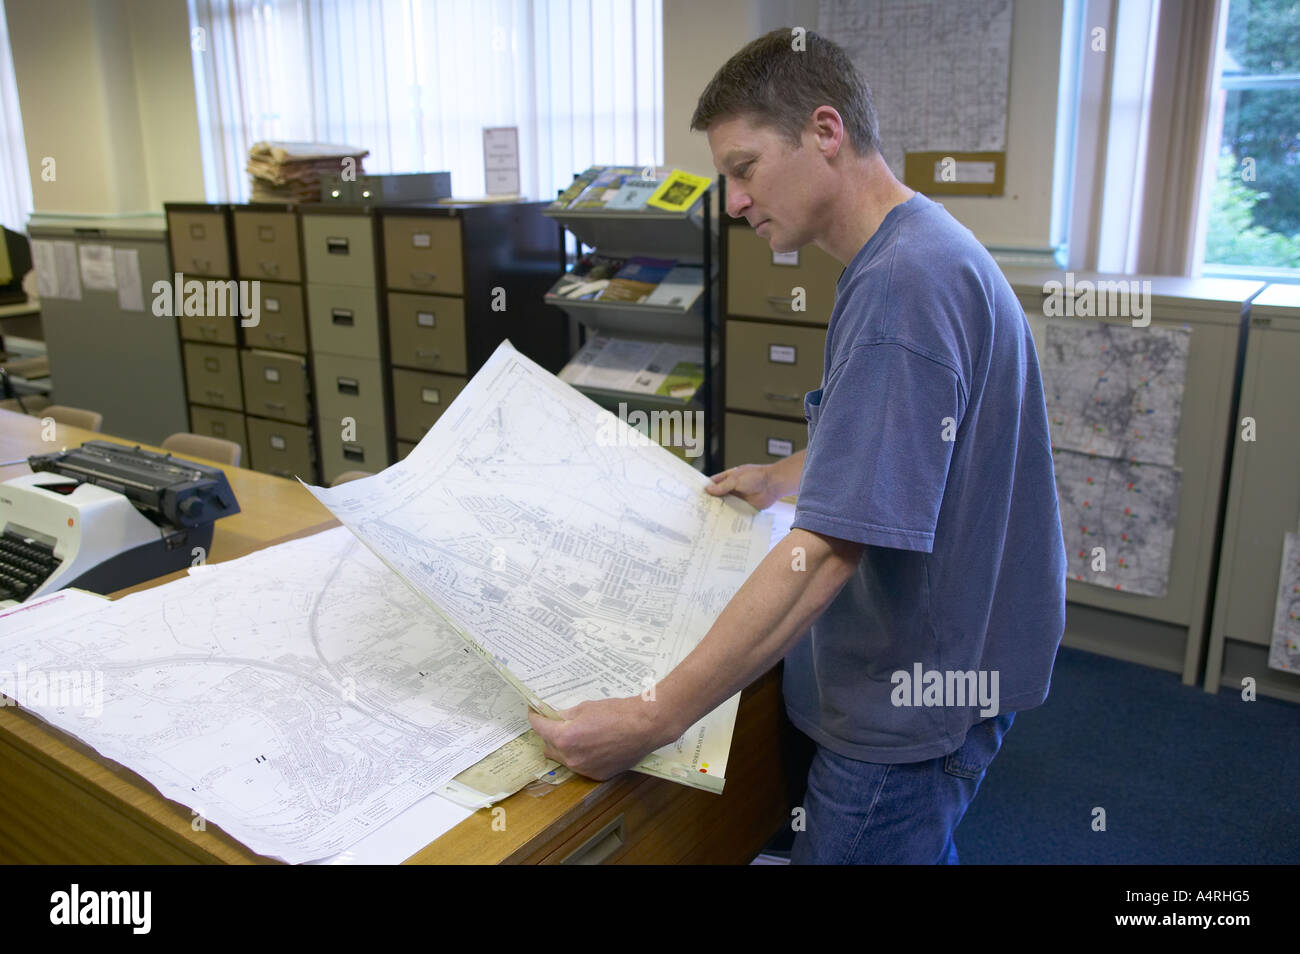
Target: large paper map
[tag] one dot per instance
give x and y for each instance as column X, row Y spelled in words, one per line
column 580, row 562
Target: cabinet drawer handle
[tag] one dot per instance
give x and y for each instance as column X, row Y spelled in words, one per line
column 354, row 452
column 217, row 395
column 201, row 264
column 424, row 278
column 277, row 335
column 342, row 316
column 275, row 404
column 771, row 396
column 421, row 353
column 270, row 268
column 349, row 386
column 781, row 301
column 209, row 332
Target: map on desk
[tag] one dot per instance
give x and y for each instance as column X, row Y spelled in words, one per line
column 298, row 697
column 579, row 560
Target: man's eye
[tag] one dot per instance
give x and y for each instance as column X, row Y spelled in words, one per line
column 742, row 172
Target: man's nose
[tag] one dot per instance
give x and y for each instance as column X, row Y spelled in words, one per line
column 737, row 202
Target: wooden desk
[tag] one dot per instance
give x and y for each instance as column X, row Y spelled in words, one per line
column 63, row 803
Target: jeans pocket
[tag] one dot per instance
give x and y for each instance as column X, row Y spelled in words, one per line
column 983, row 740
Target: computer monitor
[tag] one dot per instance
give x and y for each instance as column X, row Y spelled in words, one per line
column 15, row 262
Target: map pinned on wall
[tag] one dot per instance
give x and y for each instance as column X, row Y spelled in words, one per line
column 1285, row 651
column 939, row 71
column 1114, row 402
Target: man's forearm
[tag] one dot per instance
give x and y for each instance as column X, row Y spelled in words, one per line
column 761, row 623
column 785, row 474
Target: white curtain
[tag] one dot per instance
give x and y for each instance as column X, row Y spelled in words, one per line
column 416, row 82
column 15, row 178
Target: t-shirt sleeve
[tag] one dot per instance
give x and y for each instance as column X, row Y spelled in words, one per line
column 882, row 428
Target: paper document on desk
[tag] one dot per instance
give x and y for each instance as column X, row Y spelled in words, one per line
column 299, row 697
column 580, row 561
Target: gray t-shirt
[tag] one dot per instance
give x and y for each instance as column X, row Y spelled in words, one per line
column 928, row 442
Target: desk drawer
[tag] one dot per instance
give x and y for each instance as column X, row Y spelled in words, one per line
column 419, row 399
column 219, row 329
column 275, row 385
column 339, row 249
column 427, row 331
column 771, row 367
column 344, row 320
column 212, row 376
column 762, row 440
column 758, row 287
column 285, row 450
column 423, row 254
column 281, row 325
column 198, row 243
column 266, row 245
column 228, row 425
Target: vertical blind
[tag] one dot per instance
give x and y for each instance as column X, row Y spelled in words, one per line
column 417, row 81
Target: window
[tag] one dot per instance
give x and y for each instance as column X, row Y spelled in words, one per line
column 15, row 180
column 416, row 81
column 1252, row 222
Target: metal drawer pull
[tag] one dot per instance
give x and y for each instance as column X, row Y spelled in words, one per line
column 336, row 246
column 778, row 301
column 342, row 316
column 270, row 268
column 421, row 353
column 218, row 395
column 209, row 332
column 354, row 452
column 202, row 264
column 782, row 397
column 349, row 386
column 277, row 404
column 424, row 276
column 277, row 335
column 600, row 846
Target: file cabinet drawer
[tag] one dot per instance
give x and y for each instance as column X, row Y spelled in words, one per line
column 350, row 388
column 344, row 320
column 427, row 331
column 281, row 325
column 198, row 243
column 771, row 367
column 275, row 385
column 419, row 399
column 423, row 254
column 339, row 249
column 228, row 425
column 338, row 455
column 759, row 287
column 285, row 450
column 266, row 245
column 762, row 440
column 212, row 376
column 211, row 330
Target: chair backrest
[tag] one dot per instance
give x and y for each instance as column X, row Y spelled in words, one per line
column 347, row 475
column 27, row 404
column 74, row 416
column 200, row 445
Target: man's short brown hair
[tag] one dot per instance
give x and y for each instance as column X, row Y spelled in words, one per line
column 774, row 82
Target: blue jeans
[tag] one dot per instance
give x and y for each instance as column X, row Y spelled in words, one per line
column 872, row 813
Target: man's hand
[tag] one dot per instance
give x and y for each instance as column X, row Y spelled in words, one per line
column 600, row 739
column 750, row 482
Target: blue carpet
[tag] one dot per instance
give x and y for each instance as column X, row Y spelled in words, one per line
column 1185, row 777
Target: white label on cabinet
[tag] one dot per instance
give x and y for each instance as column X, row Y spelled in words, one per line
column 424, row 319
column 271, row 374
column 278, row 442
column 271, row 304
column 776, row 447
column 781, row 354
column 422, row 240
column 430, row 396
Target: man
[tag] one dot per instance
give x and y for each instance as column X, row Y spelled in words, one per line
column 927, row 516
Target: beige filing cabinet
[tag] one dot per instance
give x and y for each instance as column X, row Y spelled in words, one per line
column 200, row 242
column 1167, row 632
column 348, row 344
column 1263, row 501
column 777, row 309
column 273, row 357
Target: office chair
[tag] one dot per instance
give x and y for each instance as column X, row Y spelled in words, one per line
column 198, row 445
column 74, row 416
column 26, row 403
column 347, row 475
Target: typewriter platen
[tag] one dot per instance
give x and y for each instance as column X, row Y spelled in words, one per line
column 104, row 516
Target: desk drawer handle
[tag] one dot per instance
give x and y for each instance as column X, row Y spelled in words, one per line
column 782, row 397
column 599, row 846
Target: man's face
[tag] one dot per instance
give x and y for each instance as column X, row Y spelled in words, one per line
column 772, row 185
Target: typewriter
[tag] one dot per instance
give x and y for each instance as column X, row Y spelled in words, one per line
column 105, row 516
